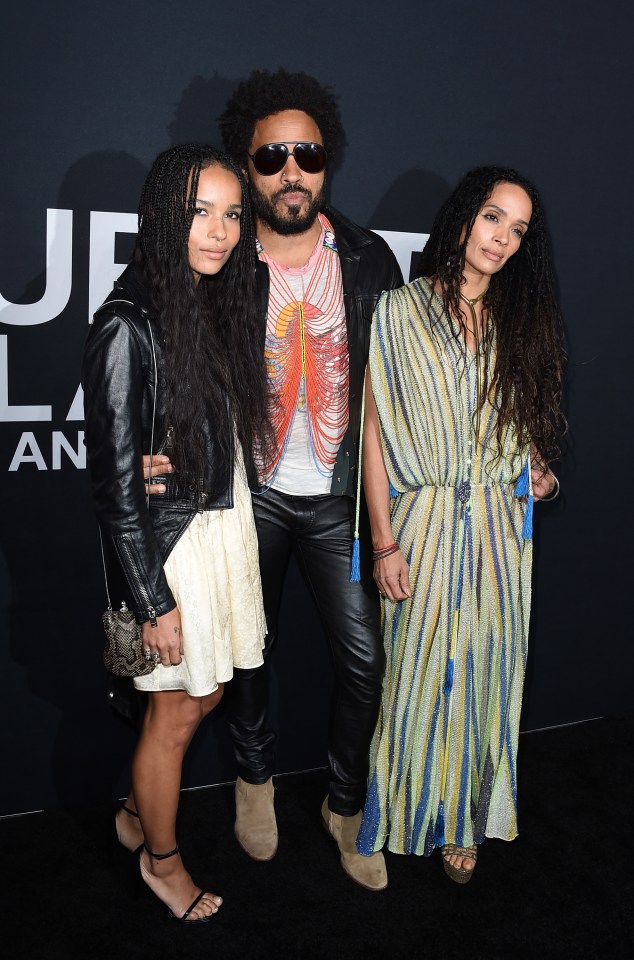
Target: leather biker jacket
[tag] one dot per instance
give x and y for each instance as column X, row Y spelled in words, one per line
column 118, row 378
column 368, row 267
column 125, row 417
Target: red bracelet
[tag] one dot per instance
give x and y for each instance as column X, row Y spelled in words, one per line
column 387, row 551
column 388, row 546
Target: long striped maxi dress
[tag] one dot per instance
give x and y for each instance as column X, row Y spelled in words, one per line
column 443, row 758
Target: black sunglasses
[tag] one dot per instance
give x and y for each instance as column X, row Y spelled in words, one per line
column 272, row 157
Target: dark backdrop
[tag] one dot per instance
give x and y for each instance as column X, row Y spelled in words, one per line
column 427, row 90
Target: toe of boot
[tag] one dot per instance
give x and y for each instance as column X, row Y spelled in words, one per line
column 369, row 872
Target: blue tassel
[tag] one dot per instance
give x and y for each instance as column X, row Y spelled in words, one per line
column 527, row 529
column 393, row 492
column 448, row 678
column 522, row 486
column 439, row 829
column 355, row 569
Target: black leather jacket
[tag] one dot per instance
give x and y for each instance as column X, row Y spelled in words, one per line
column 368, row 267
column 118, row 377
column 118, row 381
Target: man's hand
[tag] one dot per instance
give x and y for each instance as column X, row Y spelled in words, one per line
column 164, row 640
column 160, row 466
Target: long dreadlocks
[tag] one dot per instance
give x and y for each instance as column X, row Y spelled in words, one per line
column 522, row 308
column 213, row 341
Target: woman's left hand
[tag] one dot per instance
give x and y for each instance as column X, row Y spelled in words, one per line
column 543, row 481
column 542, row 477
column 163, row 643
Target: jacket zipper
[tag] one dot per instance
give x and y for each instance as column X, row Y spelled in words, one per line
column 127, row 555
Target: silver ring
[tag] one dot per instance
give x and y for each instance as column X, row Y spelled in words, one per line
column 156, row 657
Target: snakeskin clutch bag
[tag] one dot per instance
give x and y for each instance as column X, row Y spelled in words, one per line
column 123, row 653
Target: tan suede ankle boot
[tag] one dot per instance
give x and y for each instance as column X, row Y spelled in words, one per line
column 370, row 872
column 256, row 827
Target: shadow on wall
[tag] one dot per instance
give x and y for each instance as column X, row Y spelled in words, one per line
column 104, row 181
column 409, row 207
column 411, row 203
column 197, row 111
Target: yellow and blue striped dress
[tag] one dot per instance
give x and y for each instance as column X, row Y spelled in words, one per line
column 443, row 758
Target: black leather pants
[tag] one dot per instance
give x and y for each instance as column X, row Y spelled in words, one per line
column 319, row 532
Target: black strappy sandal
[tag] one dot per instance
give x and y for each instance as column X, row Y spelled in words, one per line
column 183, row 919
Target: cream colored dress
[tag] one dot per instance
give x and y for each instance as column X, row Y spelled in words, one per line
column 214, row 574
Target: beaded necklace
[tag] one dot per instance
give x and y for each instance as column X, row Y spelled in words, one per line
column 306, row 351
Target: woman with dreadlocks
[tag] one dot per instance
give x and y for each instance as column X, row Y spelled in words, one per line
column 161, row 372
column 462, row 419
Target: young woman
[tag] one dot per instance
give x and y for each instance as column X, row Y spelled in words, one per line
column 462, row 418
column 160, row 372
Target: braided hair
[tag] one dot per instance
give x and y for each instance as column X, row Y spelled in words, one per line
column 213, row 341
column 522, row 307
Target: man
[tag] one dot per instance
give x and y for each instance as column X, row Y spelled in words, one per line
column 319, row 278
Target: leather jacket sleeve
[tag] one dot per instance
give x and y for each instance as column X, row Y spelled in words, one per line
column 118, row 383
column 395, row 277
column 368, row 267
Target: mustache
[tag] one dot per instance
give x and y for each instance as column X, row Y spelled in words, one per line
column 291, row 188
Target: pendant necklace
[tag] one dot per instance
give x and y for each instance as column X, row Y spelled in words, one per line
column 471, row 303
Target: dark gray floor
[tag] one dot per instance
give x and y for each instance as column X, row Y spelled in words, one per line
column 562, row 890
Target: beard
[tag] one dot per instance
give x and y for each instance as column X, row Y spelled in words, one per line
column 293, row 221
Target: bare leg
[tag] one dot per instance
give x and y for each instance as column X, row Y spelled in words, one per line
column 127, row 820
column 171, row 719
column 128, row 826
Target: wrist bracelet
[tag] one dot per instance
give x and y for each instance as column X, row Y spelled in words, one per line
column 554, row 493
column 388, row 546
column 387, row 551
